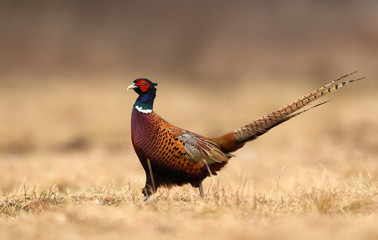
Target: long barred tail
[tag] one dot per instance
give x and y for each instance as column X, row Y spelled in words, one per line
column 262, row 125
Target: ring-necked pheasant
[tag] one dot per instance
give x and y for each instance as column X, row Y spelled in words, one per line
column 173, row 156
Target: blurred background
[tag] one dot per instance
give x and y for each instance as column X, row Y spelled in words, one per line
column 181, row 40
column 65, row 66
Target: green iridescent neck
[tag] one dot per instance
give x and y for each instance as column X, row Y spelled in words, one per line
column 145, row 103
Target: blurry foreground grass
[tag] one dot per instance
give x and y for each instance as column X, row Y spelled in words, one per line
column 358, row 198
column 321, row 210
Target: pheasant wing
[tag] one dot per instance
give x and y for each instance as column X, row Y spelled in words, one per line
column 202, row 150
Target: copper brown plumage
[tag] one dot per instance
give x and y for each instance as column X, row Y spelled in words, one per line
column 174, row 156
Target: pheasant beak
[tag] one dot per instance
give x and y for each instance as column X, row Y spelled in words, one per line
column 131, row 86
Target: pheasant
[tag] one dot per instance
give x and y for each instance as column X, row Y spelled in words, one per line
column 174, row 156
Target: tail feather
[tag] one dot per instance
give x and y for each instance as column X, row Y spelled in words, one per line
column 236, row 139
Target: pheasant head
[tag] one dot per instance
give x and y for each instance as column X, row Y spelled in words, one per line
column 147, row 93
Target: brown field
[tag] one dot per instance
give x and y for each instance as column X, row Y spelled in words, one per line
column 68, row 170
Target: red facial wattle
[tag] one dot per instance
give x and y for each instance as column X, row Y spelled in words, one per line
column 143, row 85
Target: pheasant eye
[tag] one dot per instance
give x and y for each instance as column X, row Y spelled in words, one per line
column 143, row 84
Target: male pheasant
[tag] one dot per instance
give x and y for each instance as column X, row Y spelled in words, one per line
column 173, row 156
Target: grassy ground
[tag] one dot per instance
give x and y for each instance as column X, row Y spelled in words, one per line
column 68, row 170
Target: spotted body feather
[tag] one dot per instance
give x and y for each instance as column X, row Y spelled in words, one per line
column 175, row 158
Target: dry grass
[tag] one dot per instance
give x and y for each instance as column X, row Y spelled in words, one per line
column 68, row 170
